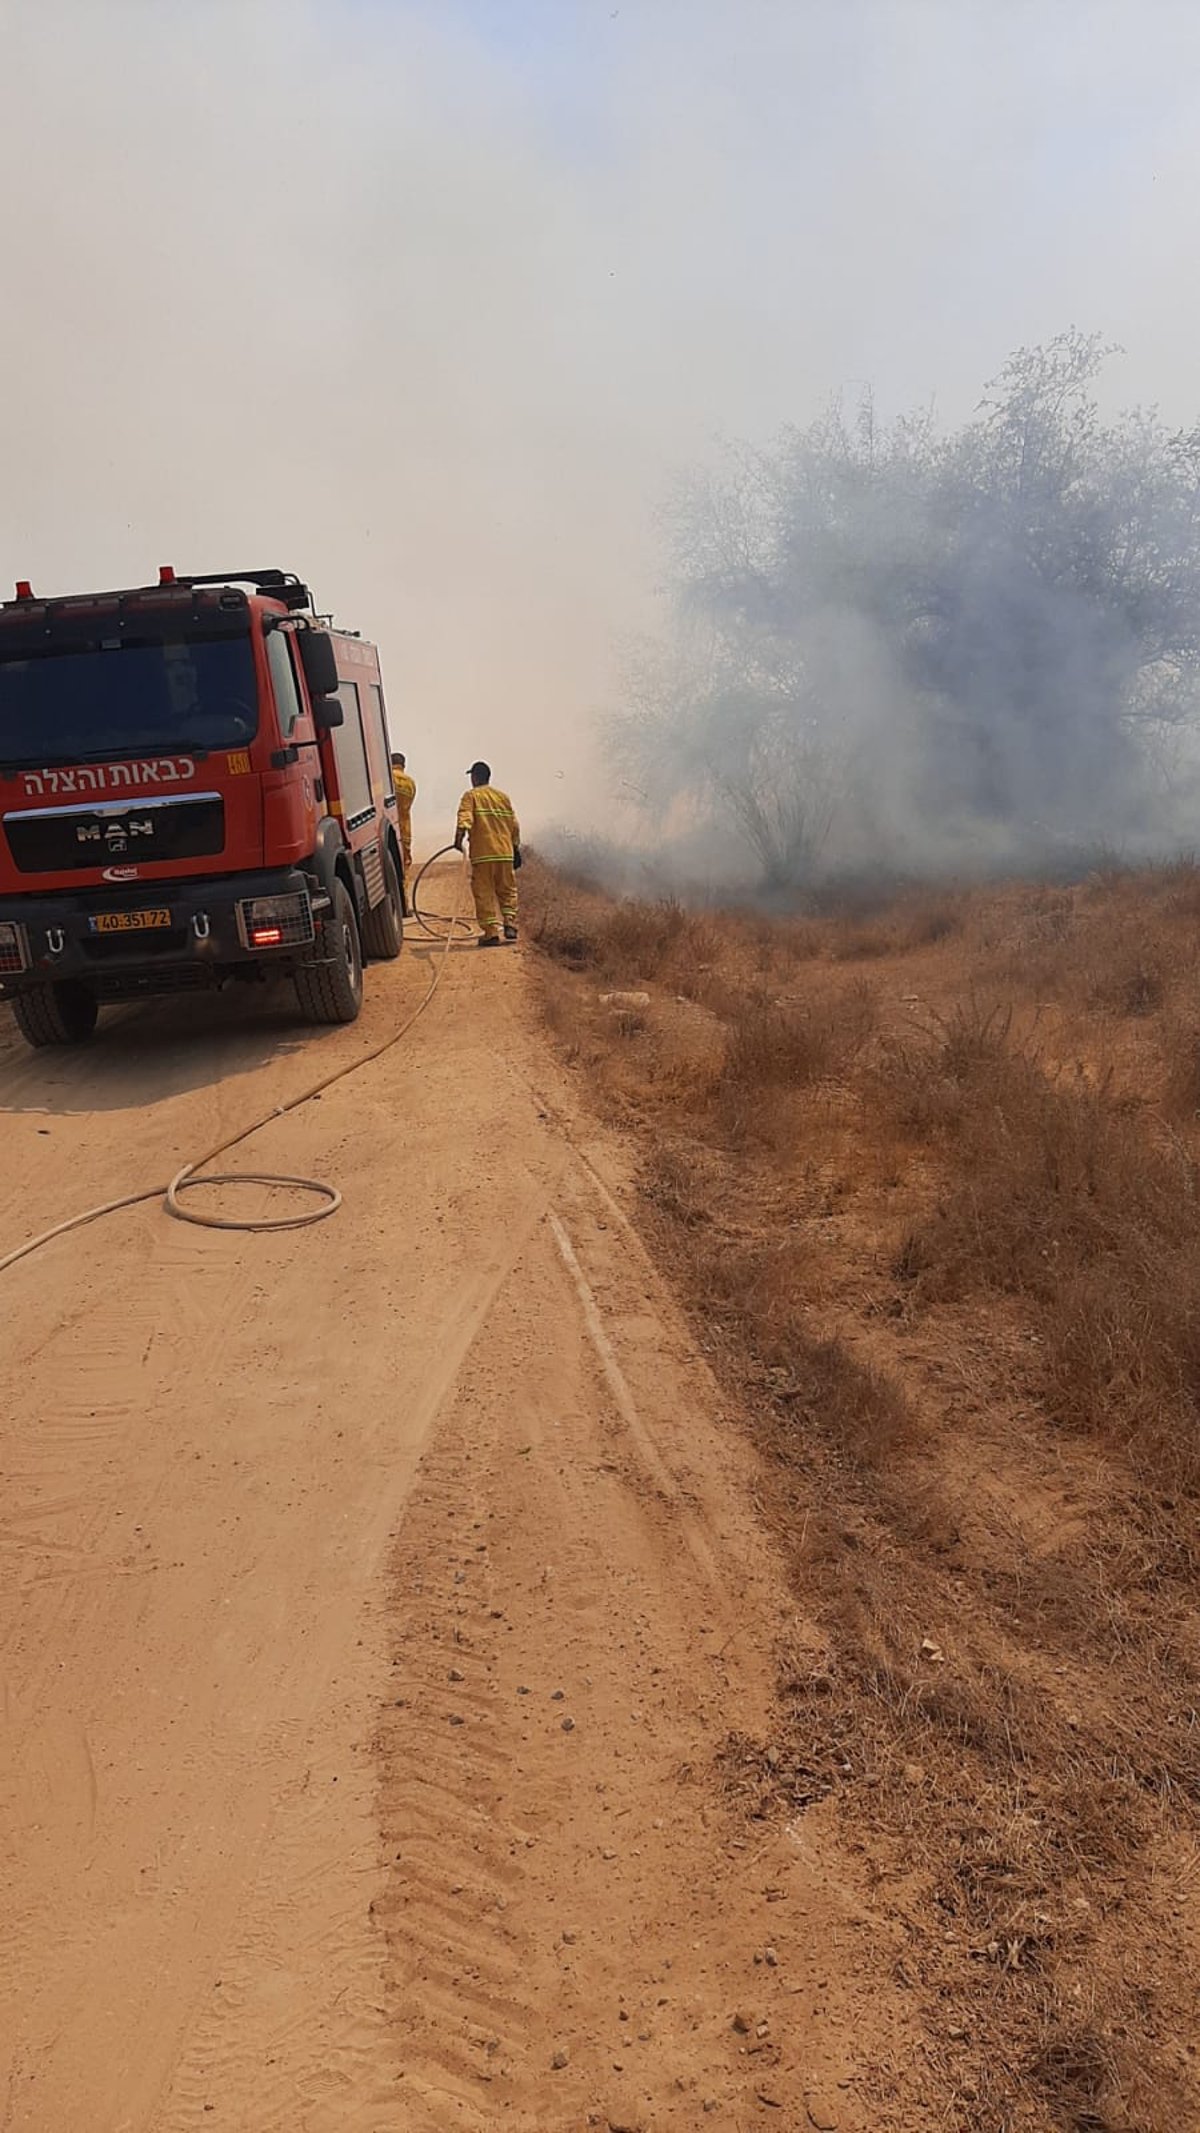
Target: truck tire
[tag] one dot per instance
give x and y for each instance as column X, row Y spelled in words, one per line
column 383, row 928
column 331, row 990
column 56, row 1014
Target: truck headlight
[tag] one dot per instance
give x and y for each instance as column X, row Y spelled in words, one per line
column 275, row 921
column 14, row 950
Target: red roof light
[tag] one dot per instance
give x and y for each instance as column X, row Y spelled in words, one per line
column 24, row 589
column 166, row 573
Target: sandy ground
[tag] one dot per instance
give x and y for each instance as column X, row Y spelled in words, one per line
column 373, row 1602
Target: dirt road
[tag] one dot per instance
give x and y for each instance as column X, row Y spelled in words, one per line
column 374, row 1601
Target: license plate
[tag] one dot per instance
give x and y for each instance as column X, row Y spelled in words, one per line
column 129, row 921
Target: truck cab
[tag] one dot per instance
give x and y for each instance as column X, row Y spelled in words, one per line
column 195, row 788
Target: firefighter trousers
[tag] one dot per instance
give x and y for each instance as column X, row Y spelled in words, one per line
column 404, row 825
column 494, row 887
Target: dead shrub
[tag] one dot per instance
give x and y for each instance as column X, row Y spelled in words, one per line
column 1179, row 1043
column 1120, row 1348
column 920, row 1083
column 861, row 944
column 647, row 941
column 923, row 922
column 570, row 941
column 1130, row 983
column 777, row 1047
column 656, row 940
column 1047, row 1178
column 903, row 1086
column 673, row 1182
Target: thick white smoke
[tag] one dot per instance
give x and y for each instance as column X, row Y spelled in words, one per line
column 425, row 300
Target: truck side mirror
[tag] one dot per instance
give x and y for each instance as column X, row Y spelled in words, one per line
column 327, row 713
column 319, row 661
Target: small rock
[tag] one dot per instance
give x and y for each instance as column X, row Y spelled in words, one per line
column 608, row 1855
column 523, row 1691
column 558, row 1696
column 568, row 1725
column 821, row 2114
column 457, row 1719
column 711, row 2103
column 771, row 1958
column 569, row 1939
column 624, row 2122
column 559, row 2059
column 743, row 2023
column 773, row 1758
column 456, row 1674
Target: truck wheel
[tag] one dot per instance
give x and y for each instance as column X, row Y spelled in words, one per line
column 56, row 1014
column 331, row 990
column 383, row 928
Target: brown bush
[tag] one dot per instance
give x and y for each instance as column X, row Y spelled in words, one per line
column 774, row 1049
column 1120, row 1347
column 624, row 941
column 1132, row 981
column 1048, row 1176
column 1179, row 1043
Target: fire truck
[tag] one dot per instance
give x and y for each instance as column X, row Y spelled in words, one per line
column 195, row 787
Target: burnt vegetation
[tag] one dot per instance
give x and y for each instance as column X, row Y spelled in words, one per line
column 928, row 1178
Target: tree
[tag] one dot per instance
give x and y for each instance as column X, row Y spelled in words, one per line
column 887, row 639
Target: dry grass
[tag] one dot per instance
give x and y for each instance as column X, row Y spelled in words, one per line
column 775, row 1049
column 928, row 1175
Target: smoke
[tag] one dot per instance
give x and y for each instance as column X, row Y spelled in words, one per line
column 901, row 649
column 427, row 299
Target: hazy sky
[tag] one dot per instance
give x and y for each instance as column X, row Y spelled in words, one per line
column 425, row 299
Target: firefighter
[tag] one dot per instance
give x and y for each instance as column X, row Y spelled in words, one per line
column 406, row 793
column 487, row 821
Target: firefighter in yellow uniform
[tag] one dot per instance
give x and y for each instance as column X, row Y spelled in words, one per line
column 406, row 793
column 486, row 820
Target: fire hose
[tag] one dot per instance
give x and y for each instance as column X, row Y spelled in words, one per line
column 188, row 1179
column 429, row 921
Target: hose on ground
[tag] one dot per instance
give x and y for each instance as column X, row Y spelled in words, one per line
column 188, row 1179
column 430, row 921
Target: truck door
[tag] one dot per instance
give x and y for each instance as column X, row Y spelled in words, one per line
column 291, row 796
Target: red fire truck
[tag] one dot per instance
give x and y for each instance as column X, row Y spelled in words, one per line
column 195, row 786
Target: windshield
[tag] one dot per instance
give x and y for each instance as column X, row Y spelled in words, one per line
column 142, row 694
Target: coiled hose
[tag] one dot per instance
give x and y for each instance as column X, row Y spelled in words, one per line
column 430, row 921
column 189, row 1180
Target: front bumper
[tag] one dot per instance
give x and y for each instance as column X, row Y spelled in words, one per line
column 205, row 941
